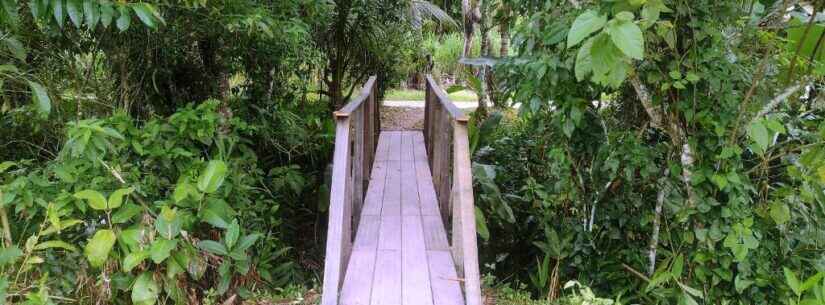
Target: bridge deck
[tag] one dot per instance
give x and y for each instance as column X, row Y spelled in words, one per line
column 401, row 255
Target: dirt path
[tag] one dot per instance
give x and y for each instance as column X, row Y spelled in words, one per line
column 408, row 115
column 402, row 118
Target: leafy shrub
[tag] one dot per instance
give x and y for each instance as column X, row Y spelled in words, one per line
column 139, row 210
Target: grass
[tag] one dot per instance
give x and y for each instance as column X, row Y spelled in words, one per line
column 418, row 95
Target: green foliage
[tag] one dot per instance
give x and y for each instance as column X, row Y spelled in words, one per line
column 148, row 248
column 656, row 125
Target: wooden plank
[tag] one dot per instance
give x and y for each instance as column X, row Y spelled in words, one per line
column 391, row 202
column 389, row 237
column 419, row 148
column 415, row 276
column 375, row 193
column 465, row 246
column 386, row 287
column 367, row 236
column 339, row 227
column 407, row 142
column 394, row 153
column 435, row 237
column 357, row 288
column 426, row 190
column 383, row 151
column 410, row 204
column 445, row 282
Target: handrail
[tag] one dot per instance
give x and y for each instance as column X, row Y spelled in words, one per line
column 357, row 126
column 442, row 98
column 355, row 103
column 448, row 149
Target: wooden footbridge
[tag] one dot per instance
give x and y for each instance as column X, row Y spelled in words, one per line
column 398, row 193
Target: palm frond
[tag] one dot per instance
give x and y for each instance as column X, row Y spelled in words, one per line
column 421, row 10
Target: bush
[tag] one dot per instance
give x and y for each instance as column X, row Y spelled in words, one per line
column 139, row 209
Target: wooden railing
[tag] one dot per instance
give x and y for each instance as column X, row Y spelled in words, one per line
column 356, row 137
column 448, row 149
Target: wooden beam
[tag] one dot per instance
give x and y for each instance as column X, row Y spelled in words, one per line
column 339, row 238
column 350, row 107
column 465, row 206
column 442, row 98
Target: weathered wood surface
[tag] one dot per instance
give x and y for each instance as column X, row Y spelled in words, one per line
column 399, row 234
column 357, row 128
column 399, row 191
column 447, row 141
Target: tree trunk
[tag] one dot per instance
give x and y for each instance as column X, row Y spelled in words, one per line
column 469, row 21
column 504, row 31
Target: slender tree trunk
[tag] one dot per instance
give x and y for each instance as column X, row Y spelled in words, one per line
column 469, row 22
column 654, row 238
column 504, row 31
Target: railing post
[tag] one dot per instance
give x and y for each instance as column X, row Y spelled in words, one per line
column 465, row 245
column 358, row 158
column 428, row 119
column 339, row 230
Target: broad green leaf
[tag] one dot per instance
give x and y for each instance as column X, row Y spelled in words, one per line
column 720, row 181
column 609, row 66
column 628, row 37
column 126, row 213
column 64, row 224
column 780, row 212
column 146, row 290
column 73, row 9
column 15, row 47
column 91, row 12
column 40, row 98
column 6, row 165
column 217, row 213
column 232, row 234
column 107, row 14
column 741, row 284
column 759, row 134
column 116, row 198
column 97, row 250
column 94, row 198
column 162, row 249
column 678, row 265
column 212, row 177
column 124, row 19
column 168, row 223
column 247, row 241
column 9, row 9
column 624, row 16
column 797, row 30
column 687, row 299
column 58, row 12
column 585, row 24
column 147, row 14
column 185, row 190
column 52, row 244
column 812, row 281
column 792, row 281
column 213, row 247
column 10, row 255
column 690, row 290
column 584, row 62
column 481, row 224
column 134, row 259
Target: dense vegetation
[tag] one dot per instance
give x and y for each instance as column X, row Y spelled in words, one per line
column 643, row 151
